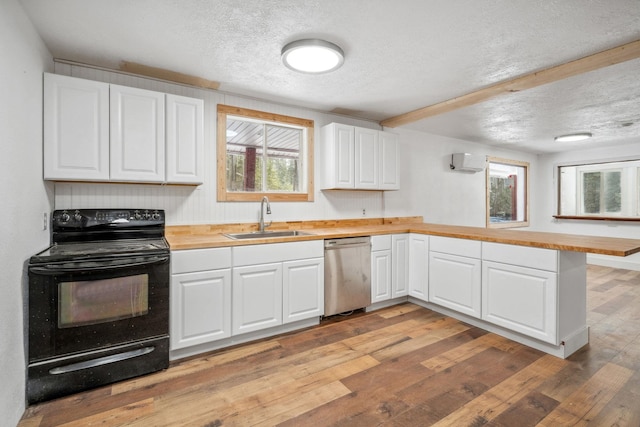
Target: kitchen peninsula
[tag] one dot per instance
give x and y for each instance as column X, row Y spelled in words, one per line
column 525, row 285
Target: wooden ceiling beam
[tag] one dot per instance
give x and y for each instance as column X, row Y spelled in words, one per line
column 593, row 62
column 168, row 75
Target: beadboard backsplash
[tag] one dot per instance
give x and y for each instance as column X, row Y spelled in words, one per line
column 198, row 205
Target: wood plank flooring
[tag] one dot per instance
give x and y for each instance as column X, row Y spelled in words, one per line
column 400, row 366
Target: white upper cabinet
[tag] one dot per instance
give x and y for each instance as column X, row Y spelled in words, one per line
column 367, row 159
column 359, row 158
column 185, row 140
column 95, row 131
column 389, row 173
column 137, row 135
column 339, row 156
column 76, row 128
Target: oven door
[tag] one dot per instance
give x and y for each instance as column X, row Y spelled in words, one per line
column 82, row 306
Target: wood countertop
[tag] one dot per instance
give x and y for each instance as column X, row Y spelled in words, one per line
column 211, row 236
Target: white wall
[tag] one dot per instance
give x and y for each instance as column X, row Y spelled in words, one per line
column 546, row 207
column 198, row 205
column 428, row 186
column 441, row 195
column 23, row 194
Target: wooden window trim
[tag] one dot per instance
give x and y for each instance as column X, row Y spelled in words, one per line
column 597, row 218
column 510, row 224
column 226, row 196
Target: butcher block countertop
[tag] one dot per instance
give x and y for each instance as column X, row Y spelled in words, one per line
column 211, row 236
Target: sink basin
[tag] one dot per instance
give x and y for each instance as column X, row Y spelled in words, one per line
column 266, row 234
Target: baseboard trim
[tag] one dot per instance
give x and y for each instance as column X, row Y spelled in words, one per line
column 613, row 262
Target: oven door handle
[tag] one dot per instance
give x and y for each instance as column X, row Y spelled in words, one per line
column 52, row 269
column 101, row 361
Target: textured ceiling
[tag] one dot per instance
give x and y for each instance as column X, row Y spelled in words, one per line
column 399, row 56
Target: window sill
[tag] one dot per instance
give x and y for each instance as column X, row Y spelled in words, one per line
column 596, row 218
column 508, row 224
column 257, row 197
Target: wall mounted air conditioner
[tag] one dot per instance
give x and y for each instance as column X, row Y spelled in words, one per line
column 468, row 162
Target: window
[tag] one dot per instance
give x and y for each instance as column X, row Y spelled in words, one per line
column 264, row 154
column 608, row 190
column 507, row 198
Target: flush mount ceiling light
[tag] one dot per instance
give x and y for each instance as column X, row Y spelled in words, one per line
column 312, row 56
column 573, row 137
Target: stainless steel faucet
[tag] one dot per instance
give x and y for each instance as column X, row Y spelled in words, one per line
column 262, row 225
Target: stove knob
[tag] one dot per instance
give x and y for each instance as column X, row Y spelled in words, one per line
column 65, row 217
column 77, row 216
column 136, row 215
column 155, row 216
column 147, row 215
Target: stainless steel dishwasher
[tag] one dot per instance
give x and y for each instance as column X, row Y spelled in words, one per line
column 347, row 274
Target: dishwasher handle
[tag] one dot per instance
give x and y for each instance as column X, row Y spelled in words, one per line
column 346, row 243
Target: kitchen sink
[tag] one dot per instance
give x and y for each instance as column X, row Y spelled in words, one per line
column 266, row 234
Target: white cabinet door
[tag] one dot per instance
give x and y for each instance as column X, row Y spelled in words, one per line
column 367, row 154
column 419, row 266
column 380, row 275
column 302, row 289
column 338, row 156
column 455, row 282
column 256, row 297
column 400, row 265
column 359, row 158
column 521, row 299
column 76, row 129
column 137, row 140
column 389, row 171
column 200, row 307
column 185, row 140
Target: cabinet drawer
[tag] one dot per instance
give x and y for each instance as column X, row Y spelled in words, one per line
column 277, row 252
column 524, row 256
column 381, row 243
column 192, row 260
column 461, row 247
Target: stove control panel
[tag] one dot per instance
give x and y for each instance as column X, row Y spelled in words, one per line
column 122, row 218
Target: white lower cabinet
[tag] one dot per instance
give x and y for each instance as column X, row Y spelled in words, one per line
column 380, row 275
column 400, row 265
column 257, row 297
column 302, row 289
column 200, row 296
column 201, row 307
column 380, row 268
column 217, row 302
column 276, row 284
column 389, row 267
column 521, row 299
column 455, row 274
column 419, row 266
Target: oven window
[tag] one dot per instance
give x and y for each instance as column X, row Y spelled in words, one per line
column 99, row 301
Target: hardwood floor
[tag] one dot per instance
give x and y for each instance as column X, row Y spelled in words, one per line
column 400, row 366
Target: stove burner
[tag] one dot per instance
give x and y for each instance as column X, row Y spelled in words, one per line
column 100, row 249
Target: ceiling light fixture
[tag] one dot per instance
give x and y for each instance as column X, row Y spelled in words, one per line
column 312, row 56
column 573, row 137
